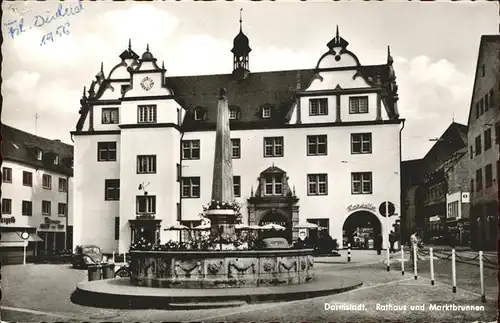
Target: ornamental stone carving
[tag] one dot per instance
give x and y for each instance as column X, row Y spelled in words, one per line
column 187, row 268
column 214, row 267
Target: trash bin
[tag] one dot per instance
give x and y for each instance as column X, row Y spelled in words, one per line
column 108, row 271
column 94, row 272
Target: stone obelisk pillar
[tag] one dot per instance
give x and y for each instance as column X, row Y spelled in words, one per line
column 222, row 220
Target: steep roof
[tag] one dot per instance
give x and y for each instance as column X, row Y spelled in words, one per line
column 276, row 89
column 485, row 39
column 21, row 147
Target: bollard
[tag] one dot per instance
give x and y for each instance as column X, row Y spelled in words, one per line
column 481, row 277
column 125, row 257
column 453, row 270
column 348, row 252
column 415, row 260
column 432, row 265
column 388, row 259
column 113, row 257
column 402, row 260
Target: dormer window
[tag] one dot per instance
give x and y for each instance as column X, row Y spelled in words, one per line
column 56, row 160
column 233, row 113
column 266, row 112
column 199, row 114
column 39, row 154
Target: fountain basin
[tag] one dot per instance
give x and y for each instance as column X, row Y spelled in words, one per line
column 221, row 268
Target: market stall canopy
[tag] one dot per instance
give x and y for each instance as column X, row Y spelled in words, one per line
column 306, row 225
column 176, row 226
column 272, row 226
column 241, row 226
column 204, row 226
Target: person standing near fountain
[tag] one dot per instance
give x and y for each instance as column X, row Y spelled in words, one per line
column 222, row 209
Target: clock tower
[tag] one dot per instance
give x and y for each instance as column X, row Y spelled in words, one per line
column 241, row 51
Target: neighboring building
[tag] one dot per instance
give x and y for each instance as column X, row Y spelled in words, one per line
column 484, row 134
column 321, row 145
column 411, row 178
column 444, row 183
column 36, row 194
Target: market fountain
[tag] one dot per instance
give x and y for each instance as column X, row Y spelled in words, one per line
column 218, row 267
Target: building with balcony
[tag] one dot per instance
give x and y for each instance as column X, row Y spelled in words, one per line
column 319, row 145
column 36, row 194
column 484, row 134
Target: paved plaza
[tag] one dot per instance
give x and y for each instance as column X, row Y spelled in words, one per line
column 383, row 294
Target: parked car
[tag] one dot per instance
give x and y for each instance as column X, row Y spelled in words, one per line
column 86, row 255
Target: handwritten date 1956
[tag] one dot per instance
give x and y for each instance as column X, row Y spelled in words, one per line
column 60, row 32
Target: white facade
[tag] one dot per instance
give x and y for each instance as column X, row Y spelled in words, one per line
column 95, row 217
column 15, row 192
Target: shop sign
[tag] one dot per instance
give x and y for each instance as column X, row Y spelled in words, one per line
column 362, row 206
column 48, row 220
column 435, row 218
column 465, row 197
column 8, row 220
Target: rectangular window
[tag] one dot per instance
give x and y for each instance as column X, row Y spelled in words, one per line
column 191, row 187
column 481, row 106
column 486, row 102
column 112, row 190
column 362, row 183
column 478, row 145
column 62, row 209
column 317, row 184
column 273, row 147
column 237, row 186
column 236, row 148
column 358, row 104
column 146, row 114
column 27, row 178
column 487, row 139
column 316, row 145
column 178, row 172
column 266, row 112
column 318, row 107
column 106, row 151
column 471, row 152
column 46, row 181
column 46, row 207
column 27, row 208
column 273, row 185
column 146, row 164
column 110, row 115
column 146, row 204
column 6, row 206
column 472, row 186
column 479, row 180
column 117, row 228
column 6, row 174
column 361, row 143
column 477, row 111
column 190, row 149
column 488, row 175
column 63, row 184
column 233, row 114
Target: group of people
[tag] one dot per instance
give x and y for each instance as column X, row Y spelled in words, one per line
column 378, row 242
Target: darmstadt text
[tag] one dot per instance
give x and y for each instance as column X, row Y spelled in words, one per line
column 344, row 307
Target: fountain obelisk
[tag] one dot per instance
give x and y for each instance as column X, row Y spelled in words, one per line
column 222, row 219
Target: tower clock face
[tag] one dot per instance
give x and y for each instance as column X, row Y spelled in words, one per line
column 147, row 83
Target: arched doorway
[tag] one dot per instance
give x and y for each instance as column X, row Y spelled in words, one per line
column 275, row 217
column 359, row 228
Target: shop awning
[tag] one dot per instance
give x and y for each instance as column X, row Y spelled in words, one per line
column 13, row 239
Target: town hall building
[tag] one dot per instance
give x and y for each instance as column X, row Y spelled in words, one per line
column 321, row 145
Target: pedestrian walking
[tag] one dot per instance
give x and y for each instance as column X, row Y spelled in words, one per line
column 378, row 243
column 392, row 240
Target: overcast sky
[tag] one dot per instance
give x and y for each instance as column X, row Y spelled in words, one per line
column 434, row 45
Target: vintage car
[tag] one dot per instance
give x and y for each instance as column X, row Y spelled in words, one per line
column 86, row 255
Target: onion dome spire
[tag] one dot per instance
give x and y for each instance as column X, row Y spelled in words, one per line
column 147, row 56
column 337, row 41
column 241, row 44
column 128, row 53
column 390, row 60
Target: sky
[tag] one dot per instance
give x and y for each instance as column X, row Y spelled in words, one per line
column 434, row 45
